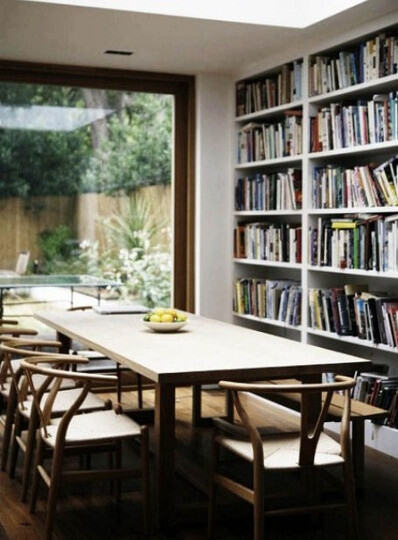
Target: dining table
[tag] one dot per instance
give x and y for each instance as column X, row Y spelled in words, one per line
column 205, row 351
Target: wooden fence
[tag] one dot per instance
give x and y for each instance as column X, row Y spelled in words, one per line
column 21, row 221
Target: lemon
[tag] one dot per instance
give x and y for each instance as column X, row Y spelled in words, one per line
column 155, row 318
column 159, row 311
column 181, row 317
column 167, row 317
column 172, row 312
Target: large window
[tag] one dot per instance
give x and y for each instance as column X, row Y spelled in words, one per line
column 92, row 182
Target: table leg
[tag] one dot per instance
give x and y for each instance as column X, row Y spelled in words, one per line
column 164, row 452
column 71, row 297
column 99, row 296
column 66, row 343
column 196, row 404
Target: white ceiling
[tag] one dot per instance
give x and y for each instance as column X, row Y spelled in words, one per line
column 42, row 32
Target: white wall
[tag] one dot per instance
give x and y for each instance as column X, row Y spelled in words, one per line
column 214, row 195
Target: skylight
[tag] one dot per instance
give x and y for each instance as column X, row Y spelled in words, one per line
column 288, row 13
column 47, row 118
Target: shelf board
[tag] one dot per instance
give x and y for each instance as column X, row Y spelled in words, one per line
column 269, row 162
column 273, row 111
column 271, row 322
column 353, row 271
column 356, row 210
column 254, row 213
column 353, row 340
column 375, row 85
column 259, row 262
column 352, row 150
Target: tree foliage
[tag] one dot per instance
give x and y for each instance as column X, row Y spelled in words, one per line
column 134, row 149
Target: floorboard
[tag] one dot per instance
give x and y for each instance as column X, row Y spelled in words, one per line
column 89, row 511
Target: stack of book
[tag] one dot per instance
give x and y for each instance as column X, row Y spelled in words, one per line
column 366, row 186
column 369, row 60
column 275, row 191
column 268, row 299
column 361, row 242
column 365, row 122
column 381, row 391
column 353, row 311
column 257, row 95
column 257, row 142
column 276, row 242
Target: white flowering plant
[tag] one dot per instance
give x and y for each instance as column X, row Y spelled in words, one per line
column 143, row 269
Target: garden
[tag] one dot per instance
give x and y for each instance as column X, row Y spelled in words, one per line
column 85, row 185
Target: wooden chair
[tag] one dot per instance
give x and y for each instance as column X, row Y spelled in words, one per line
column 86, row 431
column 102, row 364
column 24, row 412
column 9, row 371
column 20, row 267
column 309, row 449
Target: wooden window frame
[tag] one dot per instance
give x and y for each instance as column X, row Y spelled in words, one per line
column 182, row 87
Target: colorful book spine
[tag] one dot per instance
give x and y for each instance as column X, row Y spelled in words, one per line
column 275, row 191
column 278, row 300
column 368, row 61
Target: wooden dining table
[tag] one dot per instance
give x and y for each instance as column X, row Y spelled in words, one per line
column 204, row 352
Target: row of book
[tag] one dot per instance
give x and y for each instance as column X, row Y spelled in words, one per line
column 257, row 142
column 381, row 391
column 277, row 242
column 369, row 60
column 366, row 186
column 275, row 191
column 278, row 300
column 360, row 242
column 354, row 311
column 365, row 122
column 257, row 95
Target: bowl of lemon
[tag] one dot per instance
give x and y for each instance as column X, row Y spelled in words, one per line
column 165, row 320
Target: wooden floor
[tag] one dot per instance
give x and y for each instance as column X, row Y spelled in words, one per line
column 90, row 511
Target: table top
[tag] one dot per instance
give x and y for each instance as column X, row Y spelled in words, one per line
column 205, row 351
column 38, row 280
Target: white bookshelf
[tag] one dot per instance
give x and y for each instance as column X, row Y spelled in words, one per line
column 267, row 163
column 276, row 264
column 264, row 320
column 319, row 276
column 268, row 113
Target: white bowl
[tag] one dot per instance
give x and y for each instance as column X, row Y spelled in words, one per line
column 165, row 326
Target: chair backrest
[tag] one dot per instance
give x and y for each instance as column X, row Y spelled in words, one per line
column 22, row 263
column 20, row 348
column 244, row 395
column 55, row 375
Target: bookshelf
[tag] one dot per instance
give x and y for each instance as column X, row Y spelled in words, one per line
column 307, row 215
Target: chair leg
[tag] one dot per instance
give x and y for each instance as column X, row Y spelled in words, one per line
column 258, row 487
column 14, row 443
column 215, row 453
column 349, row 487
column 145, row 478
column 39, row 459
column 139, row 389
column 53, row 490
column 111, row 464
column 30, row 446
column 9, row 420
column 118, row 455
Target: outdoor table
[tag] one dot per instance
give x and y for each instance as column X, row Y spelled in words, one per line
column 204, row 352
column 69, row 281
